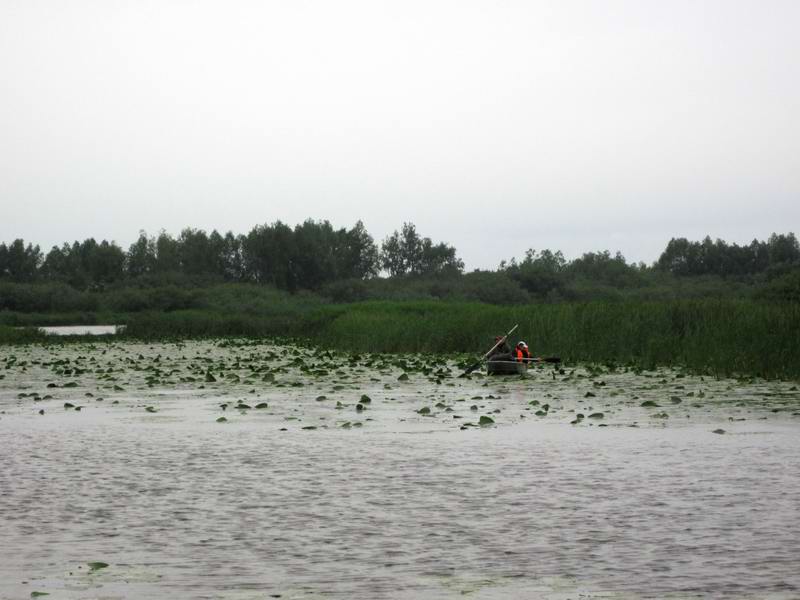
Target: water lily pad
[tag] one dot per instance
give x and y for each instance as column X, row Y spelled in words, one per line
column 484, row 420
column 424, row 410
column 648, row 403
column 222, row 420
column 97, row 565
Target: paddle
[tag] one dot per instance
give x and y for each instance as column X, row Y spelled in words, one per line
column 546, row 359
column 483, row 358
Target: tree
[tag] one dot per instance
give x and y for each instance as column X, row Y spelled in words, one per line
column 542, row 274
column 141, row 257
column 358, row 255
column 269, row 253
column 167, row 258
column 406, row 253
column 105, row 263
column 603, row 268
column 783, row 249
column 19, row 262
column 195, row 254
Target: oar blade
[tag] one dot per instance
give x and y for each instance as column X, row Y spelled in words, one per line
column 471, row 368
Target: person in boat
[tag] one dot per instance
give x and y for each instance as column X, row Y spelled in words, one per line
column 521, row 352
column 501, row 350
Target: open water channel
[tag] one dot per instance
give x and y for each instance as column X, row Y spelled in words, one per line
column 156, row 464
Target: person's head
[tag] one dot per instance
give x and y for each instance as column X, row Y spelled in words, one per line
column 522, row 344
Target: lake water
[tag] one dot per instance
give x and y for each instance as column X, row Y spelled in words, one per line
column 82, row 329
column 386, row 502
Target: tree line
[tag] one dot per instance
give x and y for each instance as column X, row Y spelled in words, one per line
column 346, row 264
column 307, row 256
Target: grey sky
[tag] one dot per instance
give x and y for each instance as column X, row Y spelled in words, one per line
column 493, row 126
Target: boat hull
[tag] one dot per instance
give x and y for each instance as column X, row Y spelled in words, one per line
column 506, row 367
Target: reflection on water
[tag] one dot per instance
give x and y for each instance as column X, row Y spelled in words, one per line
column 82, row 329
column 406, row 506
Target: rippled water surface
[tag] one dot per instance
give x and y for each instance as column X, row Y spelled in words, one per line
column 310, row 496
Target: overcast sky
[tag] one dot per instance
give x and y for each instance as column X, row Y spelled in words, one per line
column 493, row 126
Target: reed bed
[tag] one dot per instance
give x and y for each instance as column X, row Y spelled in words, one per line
column 719, row 337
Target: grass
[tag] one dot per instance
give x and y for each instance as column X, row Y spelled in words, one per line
column 714, row 336
column 14, row 335
column 718, row 337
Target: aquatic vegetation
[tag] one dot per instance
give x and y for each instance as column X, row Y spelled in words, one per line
column 278, row 384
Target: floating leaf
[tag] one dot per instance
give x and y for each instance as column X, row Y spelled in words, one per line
column 262, row 405
column 597, row 415
column 309, row 427
column 222, row 420
column 151, row 409
column 648, row 403
column 484, row 420
column 403, row 377
column 365, row 399
column 719, row 431
column 321, row 398
column 424, row 410
column 97, row 565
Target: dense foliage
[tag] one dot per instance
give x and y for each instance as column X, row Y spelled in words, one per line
column 344, row 265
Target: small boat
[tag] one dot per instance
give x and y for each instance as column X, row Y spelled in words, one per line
column 506, row 367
